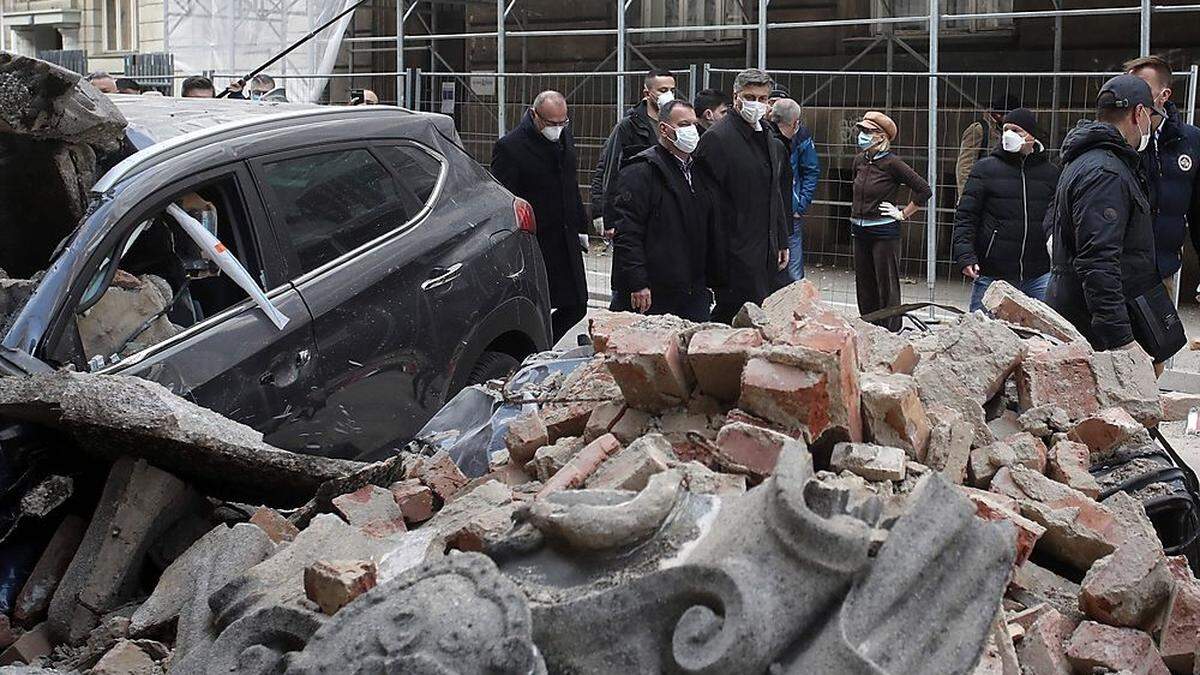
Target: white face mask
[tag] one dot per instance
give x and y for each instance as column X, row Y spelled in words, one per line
column 552, row 133
column 753, row 111
column 663, row 99
column 1012, row 141
column 686, row 139
column 1145, row 135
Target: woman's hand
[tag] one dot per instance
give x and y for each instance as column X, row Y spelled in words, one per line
column 889, row 210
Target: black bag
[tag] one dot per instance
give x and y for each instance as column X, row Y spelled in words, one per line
column 1156, row 324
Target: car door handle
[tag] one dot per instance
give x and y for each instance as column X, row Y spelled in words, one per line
column 440, row 275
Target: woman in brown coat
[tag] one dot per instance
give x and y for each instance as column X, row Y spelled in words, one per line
column 874, row 218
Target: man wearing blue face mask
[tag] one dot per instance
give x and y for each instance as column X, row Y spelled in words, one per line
column 746, row 162
column 666, row 248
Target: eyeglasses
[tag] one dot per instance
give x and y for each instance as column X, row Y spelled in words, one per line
column 550, row 123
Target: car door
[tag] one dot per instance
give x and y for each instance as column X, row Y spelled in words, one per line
column 234, row 361
column 353, row 234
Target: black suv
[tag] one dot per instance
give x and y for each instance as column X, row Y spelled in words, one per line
column 398, row 271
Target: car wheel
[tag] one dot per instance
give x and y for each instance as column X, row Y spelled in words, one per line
column 492, row 366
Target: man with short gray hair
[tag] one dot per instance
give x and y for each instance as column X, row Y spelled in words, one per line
column 804, row 170
column 745, row 162
column 103, row 82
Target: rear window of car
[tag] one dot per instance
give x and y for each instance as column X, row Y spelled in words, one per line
column 333, row 202
column 418, row 171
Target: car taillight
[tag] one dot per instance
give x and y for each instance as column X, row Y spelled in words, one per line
column 524, row 213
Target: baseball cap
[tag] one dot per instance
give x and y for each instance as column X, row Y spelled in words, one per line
column 779, row 91
column 1127, row 91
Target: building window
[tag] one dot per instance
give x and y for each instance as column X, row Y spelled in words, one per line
column 918, row 7
column 660, row 13
column 120, row 25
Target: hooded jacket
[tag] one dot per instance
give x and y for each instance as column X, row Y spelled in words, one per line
column 1103, row 255
column 1172, row 167
column 998, row 222
column 633, row 134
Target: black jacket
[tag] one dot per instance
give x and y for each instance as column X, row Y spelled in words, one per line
column 543, row 173
column 1171, row 168
column 1103, row 236
column 998, row 223
column 633, row 134
column 667, row 236
column 754, row 220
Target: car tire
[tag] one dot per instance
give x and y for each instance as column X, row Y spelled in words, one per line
column 492, row 366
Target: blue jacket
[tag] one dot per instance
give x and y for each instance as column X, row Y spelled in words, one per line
column 1171, row 166
column 806, row 170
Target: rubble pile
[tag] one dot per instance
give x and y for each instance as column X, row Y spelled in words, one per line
column 798, row 493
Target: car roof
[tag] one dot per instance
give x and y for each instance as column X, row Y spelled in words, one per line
column 162, row 127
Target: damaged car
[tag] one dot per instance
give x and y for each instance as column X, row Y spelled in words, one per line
column 328, row 276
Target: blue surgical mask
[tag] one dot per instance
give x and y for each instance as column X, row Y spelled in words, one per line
column 865, row 140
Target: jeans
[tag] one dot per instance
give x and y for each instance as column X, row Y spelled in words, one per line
column 795, row 267
column 1034, row 288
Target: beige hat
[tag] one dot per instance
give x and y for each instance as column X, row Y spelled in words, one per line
column 877, row 121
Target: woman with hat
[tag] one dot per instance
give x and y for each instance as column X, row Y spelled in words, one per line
column 874, row 218
column 998, row 230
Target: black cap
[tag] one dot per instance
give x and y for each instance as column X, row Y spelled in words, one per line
column 128, row 83
column 778, row 91
column 1024, row 118
column 1127, row 92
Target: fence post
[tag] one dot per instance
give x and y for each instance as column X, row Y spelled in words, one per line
column 707, row 76
column 1144, row 24
column 692, row 75
column 762, row 33
column 401, row 90
column 501, row 97
column 416, row 91
column 935, row 17
column 620, row 106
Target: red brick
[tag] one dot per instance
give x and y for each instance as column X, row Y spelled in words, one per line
column 30, row 606
column 1107, row 430
column 809, row 392
column 603, row 324
column 1177, row 404
column 1068, row 463
column 443, row 476
column 1130, row 587
column 582, row 465
column 748, row 449
column 1061, row 376
column 1042, row 650
column 882, row 351
column 949, row 448
column 992, row 506
column 1005, row 302
column 526, row 433
column 1179, row 640
column 278, row 528
column 415, row 501
column 333, row 585
column 1022, row 449
column 602, row 420
column 893, row 414
column 648, row 366
column 632, row 468
column 1095, row 646
column 372, row 510
column 717, row 358
column 632, row 424
column 32, row 644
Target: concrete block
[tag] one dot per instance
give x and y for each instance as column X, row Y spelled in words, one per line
column 632, row 467
column 872, row 462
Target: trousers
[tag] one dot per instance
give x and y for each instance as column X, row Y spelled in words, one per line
column 877, row 277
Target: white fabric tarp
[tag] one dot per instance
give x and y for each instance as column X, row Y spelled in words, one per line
column 229, row 38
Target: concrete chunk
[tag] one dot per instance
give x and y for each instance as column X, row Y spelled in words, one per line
column 1006, row 303
column 632, row 467
column 31, row 605
column 949, row 447
column 1068, row 463
column 1022, row 449
column 1179, row 640
column 873, row 462
column 893, row 413
column 335, row 584
column 1128, row 588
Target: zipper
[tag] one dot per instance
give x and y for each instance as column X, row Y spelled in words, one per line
column 991, row 241
column 1024, row 232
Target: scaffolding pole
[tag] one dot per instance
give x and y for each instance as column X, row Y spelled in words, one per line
column 1145, row 29
column 932, row 169
column 762, row 33
column 621, row 7
column 501, row 89
column 401, row 90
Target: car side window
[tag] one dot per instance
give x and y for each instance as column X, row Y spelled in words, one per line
column 330, row 203
column 418, row 171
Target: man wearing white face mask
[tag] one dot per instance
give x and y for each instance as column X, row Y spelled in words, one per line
column 746, row 162
column 1103, row 275
column 998, row 230
column 536, row 162
column 665, row 251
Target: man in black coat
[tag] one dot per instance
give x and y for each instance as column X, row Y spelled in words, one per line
column 536, row 162
column 1101, row 224
column 745, row 162
column 666, row 247
column 998, row 230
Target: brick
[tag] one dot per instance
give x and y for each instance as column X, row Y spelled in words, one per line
column 949, row 447
column 991, row 506
column 1044, row 421
column 812, row 391
column 1108, row 430
column 125, row 658
column 1177, row 404
column 526, row 433
column 414, row 500
column 1060, row 376
column 1034, row 585
column 1007, row 424
column 1096, row 647
column 632, row 467
column 602, row 420
column 1126, row 379
column 632, row 424
column 33, row 601
column 893, row 413
column 938, row 386
column 1079, row 531
column 549, row 459
column 748, row 449
column 33, row 643
column 278, row 528
column 979, row 354
column 872, row 462
column 1023, row 449
column 1068, row 462
column 885, row 352
column 648, row 366
column 1042, row 651
column 581, row 466
column 1131, row 518
column 7, row 636
column 603, row 324
column 1179, row 639
column 443, row 476
column 1006, row 303
column 334, row 584
column 798, row 300
column 477, row 518
column 1128, row 588
column 717, row 357
column 372, row 510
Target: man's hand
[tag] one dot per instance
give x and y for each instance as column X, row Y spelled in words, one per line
column 971, row 271
column 640, row 300
column 236, row 86
column 783, row 258
column 584, row 242
column 609, row 234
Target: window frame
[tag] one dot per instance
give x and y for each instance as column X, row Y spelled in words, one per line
column 129, row 45
column 287, row 250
